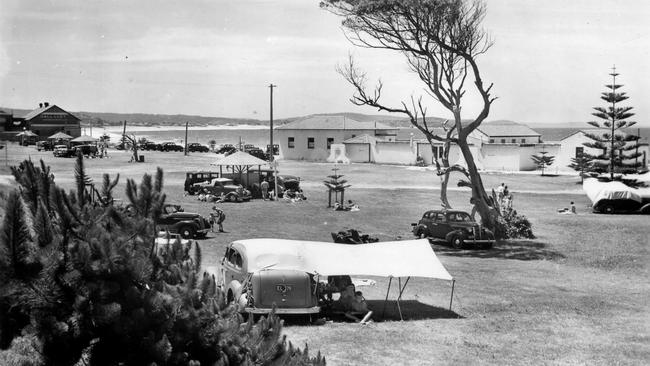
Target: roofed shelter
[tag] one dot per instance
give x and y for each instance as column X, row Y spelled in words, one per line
column 240, row 162
column 311, row 138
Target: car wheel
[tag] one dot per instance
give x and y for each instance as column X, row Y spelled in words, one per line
column 187, row 232
column 608, row 209
column 457, row 242
column 232, row 198
column 421, row 234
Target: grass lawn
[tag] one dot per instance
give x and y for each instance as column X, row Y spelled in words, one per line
column 577, row 294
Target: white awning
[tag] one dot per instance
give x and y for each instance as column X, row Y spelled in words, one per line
column 408, row 258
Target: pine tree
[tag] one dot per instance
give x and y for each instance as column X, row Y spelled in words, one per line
column 542, row 161
column 619, row 149
column 581, row 163
column 80, row 279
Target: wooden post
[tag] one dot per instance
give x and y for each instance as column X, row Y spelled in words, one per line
column 186, row 126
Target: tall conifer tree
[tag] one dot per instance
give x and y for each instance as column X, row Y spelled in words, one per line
column 619, row 149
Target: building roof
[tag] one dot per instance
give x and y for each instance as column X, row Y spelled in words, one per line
column 333, row 123
column 362, row 139
column 40, row 110
column 595, row 131
column 506, row 128
column 239, row 158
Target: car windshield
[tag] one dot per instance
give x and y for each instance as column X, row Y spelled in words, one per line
column 459, row 217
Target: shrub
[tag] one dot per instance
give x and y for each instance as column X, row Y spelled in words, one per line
column 511, row 225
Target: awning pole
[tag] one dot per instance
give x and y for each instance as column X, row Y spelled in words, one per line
column 399, row 308
column 390, row 280
column 451, row 299
column 403, row 288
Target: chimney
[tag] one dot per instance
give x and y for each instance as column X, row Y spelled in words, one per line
column 46, row 104
column 40, row 105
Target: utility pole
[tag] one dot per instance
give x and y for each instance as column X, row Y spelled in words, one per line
column 271, row 149
column 271, row 86
column 186, row 126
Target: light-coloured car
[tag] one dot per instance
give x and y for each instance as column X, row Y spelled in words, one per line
column 248, row 277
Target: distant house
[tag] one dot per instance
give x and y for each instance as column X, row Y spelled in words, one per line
column 508, row 132
column 311, row 138
column 573, row 145
column 49, row 119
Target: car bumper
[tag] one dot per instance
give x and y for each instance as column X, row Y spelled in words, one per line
column 479, row 241
column 312, row 310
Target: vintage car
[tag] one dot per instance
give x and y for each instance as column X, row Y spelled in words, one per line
column 171, row 146
column 196, row 147
column 62, row 151
column 223, row 186
column 226, row 149
column 187, row 225
column 86, row 150
column 247, row 276
column 616, row 197
column 44, row 145
column 455, row 227
column 191, row 178
column 150, row 146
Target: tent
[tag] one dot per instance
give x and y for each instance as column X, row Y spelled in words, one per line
column 408, row 258
column 60, row 136
column 84, row 139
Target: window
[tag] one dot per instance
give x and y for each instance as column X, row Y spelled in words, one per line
column 503, row 141
column 437, row 152
column 523, row 141
column 514, row 141
column 440, row 217
column 491, row 141
column 330, row 141
column 579, row 151
column 310, row 142
column 291, row 143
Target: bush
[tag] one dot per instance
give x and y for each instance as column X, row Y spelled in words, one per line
column 511, row 225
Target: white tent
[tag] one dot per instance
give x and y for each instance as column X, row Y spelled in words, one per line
column 408, row 258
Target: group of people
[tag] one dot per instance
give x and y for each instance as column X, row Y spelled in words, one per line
column 349, row 206
column 350, row 302
column 504, row 196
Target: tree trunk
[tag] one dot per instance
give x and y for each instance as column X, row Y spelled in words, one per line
column 481, row 200
column 444, row 180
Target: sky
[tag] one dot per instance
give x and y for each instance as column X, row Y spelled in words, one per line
column 549, row 62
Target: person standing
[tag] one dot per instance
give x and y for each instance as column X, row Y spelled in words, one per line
column 265, row 189
column 217, row 216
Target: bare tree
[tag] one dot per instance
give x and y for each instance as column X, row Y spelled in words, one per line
column 441, row 40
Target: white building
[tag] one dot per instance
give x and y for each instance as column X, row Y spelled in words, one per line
column 573, row 145
column 310, row 138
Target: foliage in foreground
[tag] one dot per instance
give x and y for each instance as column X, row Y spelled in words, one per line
column 512, row 225
column 83, row 281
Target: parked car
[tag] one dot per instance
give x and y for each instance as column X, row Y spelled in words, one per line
column 187, row 225
column 455, row 227
column 196, row 147
column 62, row 151
column 86, row 150
column 194, row 177
column 617, row 197
column 258, row 153
column 44, row 145
column 171, row 146
column 150, row 146
column 256, row 289
column 225, row 186
column 226, row 149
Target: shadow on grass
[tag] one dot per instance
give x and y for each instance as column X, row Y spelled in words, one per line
column 526, row 250
column 411, row 310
